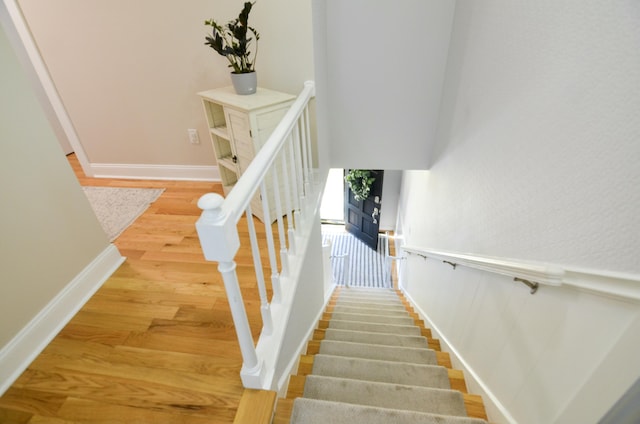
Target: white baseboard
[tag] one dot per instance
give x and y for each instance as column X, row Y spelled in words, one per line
column 16, row 356
column 155, row 172
column 474, row 382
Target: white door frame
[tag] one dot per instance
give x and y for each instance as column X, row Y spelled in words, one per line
column 13, row 22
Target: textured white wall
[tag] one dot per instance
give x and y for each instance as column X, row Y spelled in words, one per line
column 319, row 24
column 128, row 72
column 537, row 159
column 539, row 153
column 390, row 195
column 384, row 63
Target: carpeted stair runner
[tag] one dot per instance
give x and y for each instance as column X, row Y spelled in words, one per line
column 312, row 411
column 385, row 395
column 375, row 338
column 403, row 330
column 381, row 371
column 382, row 352
column 375, row 367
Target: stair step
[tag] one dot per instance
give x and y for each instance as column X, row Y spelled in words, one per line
column 312, row 411
column 370, row 311
column 368, row 305
column 387, row 306
column 381, row 319
column 377, row 302
column 284, row 408
column 381, row 352
column 380, row 300
column 372, row 290
column 404, row 330
column 371, row 299
column 381, row 371
column 368, row 295
column 355, row 293
column 385, row 395
column 375, row 338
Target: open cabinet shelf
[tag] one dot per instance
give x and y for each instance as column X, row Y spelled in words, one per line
column 238, row 126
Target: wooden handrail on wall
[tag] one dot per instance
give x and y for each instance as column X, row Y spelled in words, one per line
column 535, row 274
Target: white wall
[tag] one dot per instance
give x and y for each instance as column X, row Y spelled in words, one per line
column 319, row 35
column 307, row 302
column 538, row 153
column 390, row 195
column 384, row 63
column 49, row 232
column 537, row 159
column 540, row 356
column 128, row 72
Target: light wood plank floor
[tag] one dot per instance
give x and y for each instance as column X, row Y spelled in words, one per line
column 156, row 343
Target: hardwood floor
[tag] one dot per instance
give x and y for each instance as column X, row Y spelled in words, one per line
column 156, row 343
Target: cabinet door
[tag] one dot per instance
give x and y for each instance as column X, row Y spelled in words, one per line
column 240, row 128
column 266, row 121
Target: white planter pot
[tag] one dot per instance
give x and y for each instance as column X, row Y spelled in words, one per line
column 245, row 83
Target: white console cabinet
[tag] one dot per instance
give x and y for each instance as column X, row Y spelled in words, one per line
column 239, row 125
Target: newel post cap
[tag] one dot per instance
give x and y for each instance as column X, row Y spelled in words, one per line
column 211, row 205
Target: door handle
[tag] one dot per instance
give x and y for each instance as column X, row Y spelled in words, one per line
column 374, row 214
column 234, row 159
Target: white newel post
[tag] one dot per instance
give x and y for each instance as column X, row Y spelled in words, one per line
column 220, row 242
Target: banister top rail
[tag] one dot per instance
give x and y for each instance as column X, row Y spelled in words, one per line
column 540, row 273
column 278, row 180
column 238, row 199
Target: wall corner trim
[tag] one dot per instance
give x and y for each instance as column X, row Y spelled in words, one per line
column 16, row 355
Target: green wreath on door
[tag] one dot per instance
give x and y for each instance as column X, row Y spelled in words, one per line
column 360, row 182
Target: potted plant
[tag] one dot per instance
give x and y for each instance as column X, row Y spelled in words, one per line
column 233, row 41
column 360, row 181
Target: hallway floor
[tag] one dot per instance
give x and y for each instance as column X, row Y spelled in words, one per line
column 156, row 343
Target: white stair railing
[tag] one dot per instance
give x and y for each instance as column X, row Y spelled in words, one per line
column 283, row 164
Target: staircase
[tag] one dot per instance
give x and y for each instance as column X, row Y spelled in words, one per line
column 372, row 361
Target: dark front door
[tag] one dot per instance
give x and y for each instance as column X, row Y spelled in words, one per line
column 362, row 217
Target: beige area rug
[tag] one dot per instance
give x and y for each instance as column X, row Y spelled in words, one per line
column 117, row 208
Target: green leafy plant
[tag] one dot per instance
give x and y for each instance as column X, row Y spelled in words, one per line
column 233, row 41
column 360, row 181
